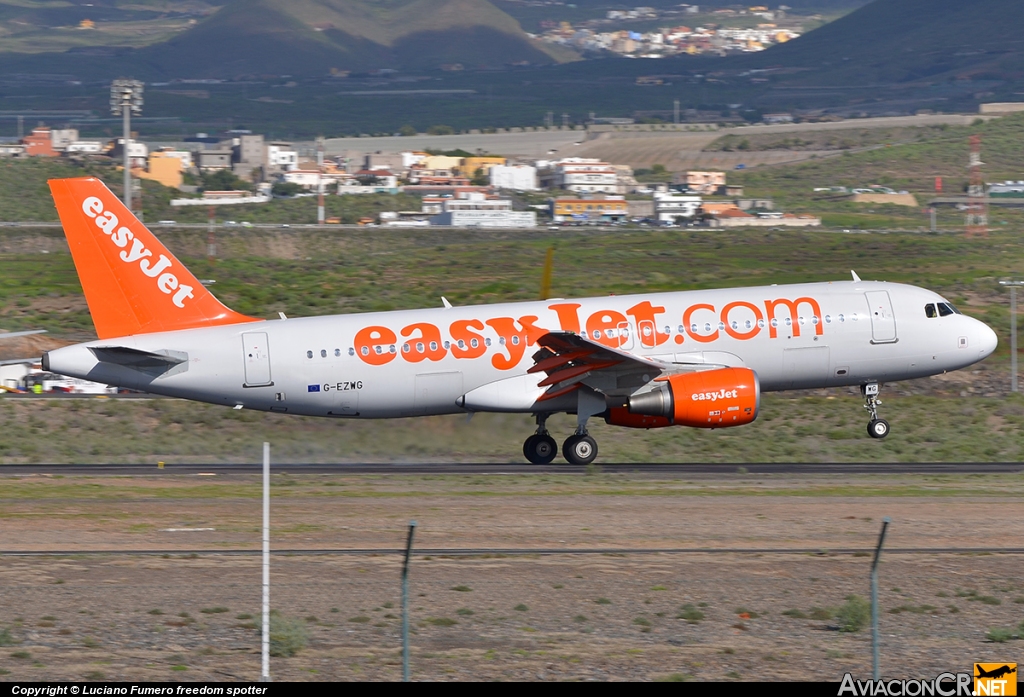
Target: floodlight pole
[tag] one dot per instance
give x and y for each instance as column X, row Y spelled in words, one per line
column 875, row 670
column 126, row 111
column 125, row 98
column 405, row 603
column 1013, row 331
column 265, row 648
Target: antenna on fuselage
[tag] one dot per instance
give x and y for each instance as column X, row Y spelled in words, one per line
column 447, row 305
column 856, row 278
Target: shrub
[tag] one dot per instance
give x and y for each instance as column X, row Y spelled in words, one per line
column 462, row 611
column 603, row 601
column 689, row 613
column 999, row 635
column 462, row 589
column 214, row 610
column 442, row 621
column 5, row 637
column 854, row 614
column 521, row 608
column 796, row 614
column 156, row 612
column 359, row 619
column 287, row 635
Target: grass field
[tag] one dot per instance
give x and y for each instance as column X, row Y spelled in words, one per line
column 946, row 428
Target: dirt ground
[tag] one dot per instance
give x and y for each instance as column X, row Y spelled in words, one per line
column 567, row 616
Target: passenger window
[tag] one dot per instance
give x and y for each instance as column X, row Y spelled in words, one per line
column 309, row 354
column 929, row 310
column 323, row 353
column 945, row 310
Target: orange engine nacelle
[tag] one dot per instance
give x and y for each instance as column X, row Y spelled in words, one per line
column 709, row 399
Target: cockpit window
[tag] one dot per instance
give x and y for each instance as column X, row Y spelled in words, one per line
column 929, row 310
column 945, row 310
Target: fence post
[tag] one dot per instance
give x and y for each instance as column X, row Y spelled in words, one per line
column 874, row 601
column 405, row 603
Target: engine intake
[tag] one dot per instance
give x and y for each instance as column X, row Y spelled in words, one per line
column 708, row 399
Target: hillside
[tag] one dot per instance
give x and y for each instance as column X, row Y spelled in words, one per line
column 907, row 41
column 248, row 37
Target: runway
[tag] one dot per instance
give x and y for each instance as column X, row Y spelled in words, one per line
column 674, row 469
column 487, row 552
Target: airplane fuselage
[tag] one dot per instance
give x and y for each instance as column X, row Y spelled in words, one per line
column 417, row 362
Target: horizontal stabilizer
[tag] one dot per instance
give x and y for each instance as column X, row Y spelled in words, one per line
column 136, row 358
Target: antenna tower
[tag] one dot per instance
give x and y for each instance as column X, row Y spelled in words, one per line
column 977, row 207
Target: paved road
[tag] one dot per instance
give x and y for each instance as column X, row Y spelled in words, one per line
column 731, row 470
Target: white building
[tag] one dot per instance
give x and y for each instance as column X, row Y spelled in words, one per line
column 668, row 207
column 312, row 178
column 138, row 153
column 474, row 209
column 280, row 156
column 581, row 174
column 517, row 177
column 61, row 138
column 89, row 147
column 184, row 155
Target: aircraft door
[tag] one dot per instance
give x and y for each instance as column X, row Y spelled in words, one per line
column 883, row 321
column 648, row 333
column 256, row 353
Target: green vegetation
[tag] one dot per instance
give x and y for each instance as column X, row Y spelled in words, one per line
column 359, row 619
column 214, row 610
column 5, row 637
column 1000, row 635
column 464, row 612
column 689, row 613
column 288, row 635
column 854, row 614
column 441, row 621
column 907, row 159
column 603, row 601
column 461, row 589
column 521, row 608
column 795, row 614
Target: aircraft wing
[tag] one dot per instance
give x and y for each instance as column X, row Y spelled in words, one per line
column 570, row 360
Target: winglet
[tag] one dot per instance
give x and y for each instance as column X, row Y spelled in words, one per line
column 856, row 278
column 132, row 283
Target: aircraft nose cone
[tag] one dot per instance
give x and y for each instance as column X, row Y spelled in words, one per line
column 987, row 340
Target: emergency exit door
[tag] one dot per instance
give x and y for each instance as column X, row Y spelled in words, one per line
column 256, row 353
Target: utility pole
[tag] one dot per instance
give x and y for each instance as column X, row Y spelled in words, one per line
column 1013, row 331
column 211, row 240
column 320, row 181
column 125, row 100
column 977, row 213
column 675, row 115
column 565, row 120
column 265, row 644
column 21, row 127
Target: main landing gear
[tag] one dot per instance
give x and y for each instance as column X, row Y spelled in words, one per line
column 540, row 448
column 579, row 448
column 877, row 428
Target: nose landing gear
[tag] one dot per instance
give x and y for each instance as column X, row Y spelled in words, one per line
column 877, row 428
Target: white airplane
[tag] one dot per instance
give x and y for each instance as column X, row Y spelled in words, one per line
column 695, row 358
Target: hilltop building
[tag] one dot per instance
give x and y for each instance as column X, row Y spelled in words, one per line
column 580, row 174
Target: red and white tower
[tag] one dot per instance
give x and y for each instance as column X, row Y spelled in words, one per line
column 977, row 207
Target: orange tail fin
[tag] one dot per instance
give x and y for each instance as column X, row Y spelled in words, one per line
column 132, row 283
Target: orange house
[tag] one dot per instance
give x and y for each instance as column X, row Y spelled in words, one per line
column 39, row 143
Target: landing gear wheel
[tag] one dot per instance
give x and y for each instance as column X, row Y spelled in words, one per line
column 878, row 428
column 540, row 449
column 579, row 449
